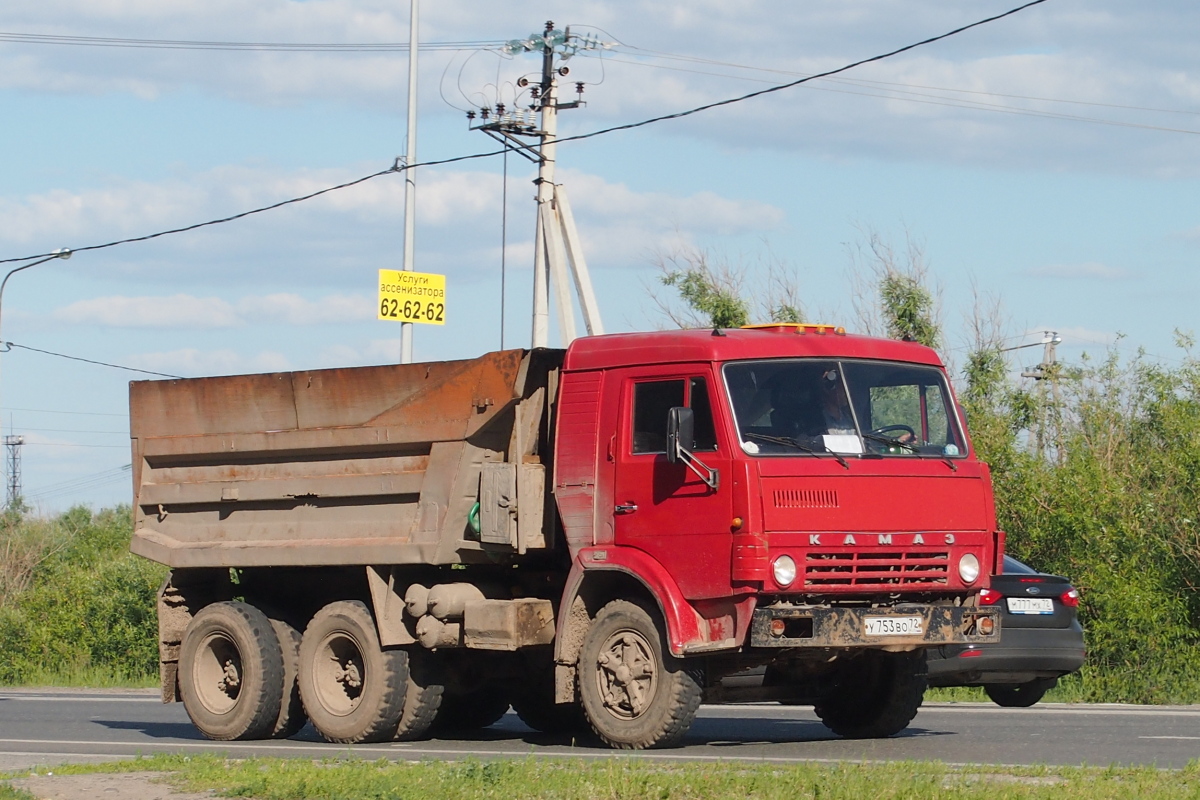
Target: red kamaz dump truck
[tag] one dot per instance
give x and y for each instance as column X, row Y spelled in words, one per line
column 604, row 536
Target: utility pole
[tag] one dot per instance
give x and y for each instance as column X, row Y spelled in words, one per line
column 1047, row 371
column 410, row 176
column 13, row 470
column 556, row 240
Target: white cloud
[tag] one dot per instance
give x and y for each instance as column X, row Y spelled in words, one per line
column 339, row 239
column 176, row 311
column 190, row 362
column 185, row 311
column 1102, row 60
column 1088, row 271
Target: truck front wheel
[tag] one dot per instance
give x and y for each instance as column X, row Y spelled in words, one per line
column 875, row 695
column 231, row 672
column 636, row 695
column 353, row 689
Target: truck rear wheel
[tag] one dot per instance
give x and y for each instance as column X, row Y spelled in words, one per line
column 875, row 696
column 422, row 697
column 353, row 689
column 534, row 703
column 481, row 708
column 291, row 708
column 231, row 672
column 636, row 695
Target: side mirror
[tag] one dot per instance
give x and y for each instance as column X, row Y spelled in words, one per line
column 681, row 432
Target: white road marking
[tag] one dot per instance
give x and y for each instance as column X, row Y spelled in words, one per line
column 1187, row 738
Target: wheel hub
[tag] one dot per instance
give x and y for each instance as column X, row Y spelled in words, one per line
column 626, row 674
column 340, row 674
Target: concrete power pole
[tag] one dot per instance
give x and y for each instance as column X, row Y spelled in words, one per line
column 13, row 470
column 1047, row 371
column 556, row 240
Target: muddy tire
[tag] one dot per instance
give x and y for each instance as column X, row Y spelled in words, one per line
column 1021, row 695
column 422, row 697
column 231, row 672
column 473, row 711
column 353, row 689
column 875, row 696
column 291, row 707
column 636, row 695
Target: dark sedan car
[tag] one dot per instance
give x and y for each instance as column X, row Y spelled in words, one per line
column 1040, row 640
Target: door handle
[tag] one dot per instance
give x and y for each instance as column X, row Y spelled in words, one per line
column 626, row 508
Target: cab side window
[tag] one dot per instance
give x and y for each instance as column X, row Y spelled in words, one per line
column 706, row 431
column 652, row 400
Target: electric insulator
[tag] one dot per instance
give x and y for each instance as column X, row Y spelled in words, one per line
column 579, row 87
column 500, row 109
column 535, row 92
column 483, row 112
column 522, row 82
column 470, row 115
column 564, row 71
column 549, row 25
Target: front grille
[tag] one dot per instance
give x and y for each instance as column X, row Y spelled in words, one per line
column 883, row 570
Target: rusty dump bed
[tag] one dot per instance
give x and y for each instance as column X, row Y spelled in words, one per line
column 366, row 465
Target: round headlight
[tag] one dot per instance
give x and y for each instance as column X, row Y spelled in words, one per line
column 968, row 568
column 784, row 570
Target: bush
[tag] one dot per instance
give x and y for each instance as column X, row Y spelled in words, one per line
column 1109, row 500
column 88, row 609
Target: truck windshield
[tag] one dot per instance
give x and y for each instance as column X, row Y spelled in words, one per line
column 790, row 406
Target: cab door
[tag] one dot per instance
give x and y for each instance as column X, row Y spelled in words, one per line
column 666, row 509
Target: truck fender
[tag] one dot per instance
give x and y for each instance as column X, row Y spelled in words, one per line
column 686, row 629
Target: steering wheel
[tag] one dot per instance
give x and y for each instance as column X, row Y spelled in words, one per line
column 890, row 428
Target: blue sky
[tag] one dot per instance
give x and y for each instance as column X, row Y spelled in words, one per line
column 1049, row 159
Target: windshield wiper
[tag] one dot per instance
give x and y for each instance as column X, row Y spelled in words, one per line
column 790, row 442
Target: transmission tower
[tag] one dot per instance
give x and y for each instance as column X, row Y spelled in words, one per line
column 556, row 240
column 13, row 469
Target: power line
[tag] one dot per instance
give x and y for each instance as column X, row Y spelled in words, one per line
column 79, row 413
column 11, row 345
column 292, row 47
column 397, row 167
column 892, row 91
column 800, row 81
column 73, row 444
column 71, row 430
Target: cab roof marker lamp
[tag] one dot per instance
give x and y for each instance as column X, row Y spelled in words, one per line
column 798, row 327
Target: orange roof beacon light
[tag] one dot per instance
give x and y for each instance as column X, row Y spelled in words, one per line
column 798, row 327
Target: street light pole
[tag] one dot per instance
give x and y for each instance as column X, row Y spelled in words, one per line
column 62, row 252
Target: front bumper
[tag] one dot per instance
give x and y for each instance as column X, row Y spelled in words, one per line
column 822, row 626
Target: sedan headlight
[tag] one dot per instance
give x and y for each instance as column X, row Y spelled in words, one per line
column 784, row 570
column 968, row 568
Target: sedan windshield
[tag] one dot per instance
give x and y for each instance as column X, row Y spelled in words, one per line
column 789, row 406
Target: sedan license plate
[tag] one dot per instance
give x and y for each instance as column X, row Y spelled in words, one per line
column 1030, row 605
column 893, row 626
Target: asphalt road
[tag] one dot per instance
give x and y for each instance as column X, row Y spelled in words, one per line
column 52, row 727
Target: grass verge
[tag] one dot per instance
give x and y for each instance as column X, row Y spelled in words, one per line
column 644, row 779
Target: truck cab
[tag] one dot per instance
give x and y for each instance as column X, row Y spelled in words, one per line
column 826, row 500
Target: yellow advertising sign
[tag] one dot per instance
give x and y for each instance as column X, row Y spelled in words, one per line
column 412, row 297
